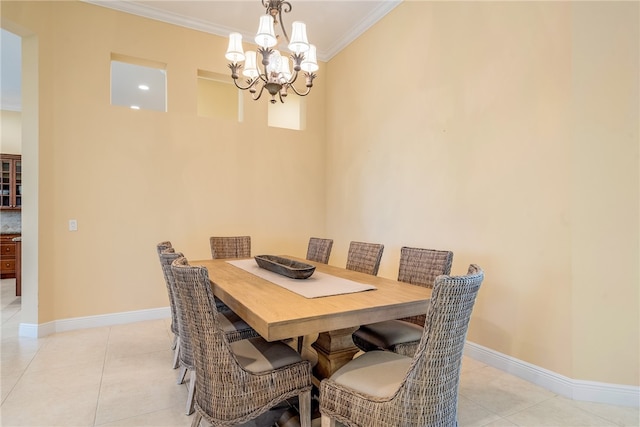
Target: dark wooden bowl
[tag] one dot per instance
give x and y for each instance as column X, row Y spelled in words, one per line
column 284, row 266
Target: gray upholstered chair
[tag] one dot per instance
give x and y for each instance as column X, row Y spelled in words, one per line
column 419, row 267
column 319, row 249
column 232, row 325
column 161, row 247
column 230, row 247
column 364, row 257
column 418, row 391
column 236, row 381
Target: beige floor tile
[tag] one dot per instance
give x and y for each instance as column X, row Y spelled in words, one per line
column 57, row 397
column 7, row 383
column 623, row 416
column 138, row 338
column 68, row 351
column 16, row 344
column 469, row 364
column 164, row 418
column 138, row 385
column 80, row 338
column 10, row 327
column 558, row 411
column 501, row 422
column 470, row 414
column 499, row 392
column 14, row 358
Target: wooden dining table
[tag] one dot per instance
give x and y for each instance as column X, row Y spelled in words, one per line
column 277, row 313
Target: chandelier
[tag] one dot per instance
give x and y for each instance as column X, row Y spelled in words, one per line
column 275, row 75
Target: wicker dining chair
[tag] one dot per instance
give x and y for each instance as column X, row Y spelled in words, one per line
column 381, row 388
column 233, row 326
column 236, row 381
column 418, row 267
column 161, row 247
column 319, row 249
column 230, row 247
column 364, row 257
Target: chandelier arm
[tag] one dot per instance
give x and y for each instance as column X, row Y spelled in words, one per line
column 250, row 83
column 255, row 98
column 293, row 78
column 263, row 77
column 310, row 77
column 284, row 31
column 299, row 93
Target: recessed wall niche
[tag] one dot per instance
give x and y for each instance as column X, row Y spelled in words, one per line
column 139, row 84
column 291, row 114
column 218, row 96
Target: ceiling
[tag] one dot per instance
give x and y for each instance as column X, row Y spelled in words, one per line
column 331, row 25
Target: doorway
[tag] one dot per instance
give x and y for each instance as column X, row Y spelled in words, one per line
column 20, row 94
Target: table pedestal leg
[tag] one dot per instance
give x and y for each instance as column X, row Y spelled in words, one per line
column 335, row 349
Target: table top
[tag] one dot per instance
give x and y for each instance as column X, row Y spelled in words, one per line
column 276, row 313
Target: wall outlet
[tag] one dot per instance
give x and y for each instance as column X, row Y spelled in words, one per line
column 73, row 225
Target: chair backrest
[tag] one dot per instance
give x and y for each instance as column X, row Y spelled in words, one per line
column 163, row 246
column 421, row 267
column 186, row 352
column 364, row 257
column 218, row 371
column 319, row 250
column 166, row 270
column 230, row 247
column 430, row 388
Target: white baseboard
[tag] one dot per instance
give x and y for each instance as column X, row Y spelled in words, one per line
column 44, row 329
column 591, row 391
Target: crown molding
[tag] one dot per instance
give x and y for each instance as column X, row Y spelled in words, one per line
column 368, row 21
column 324, row 54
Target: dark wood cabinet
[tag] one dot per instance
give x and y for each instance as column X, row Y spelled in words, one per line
column 8, row 256
column 11, row 181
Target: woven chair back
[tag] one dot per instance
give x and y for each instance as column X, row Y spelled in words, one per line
column 226, row 394
column 162, row 246
column 186, row 350
column 166, row 270
column 421, row 267
column 364, row 257
column 319, row 249
column 230, row 247
column 429, row 392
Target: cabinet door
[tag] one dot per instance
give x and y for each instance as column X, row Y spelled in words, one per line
column 10, row 182
column 6, row 183
column 17, row 183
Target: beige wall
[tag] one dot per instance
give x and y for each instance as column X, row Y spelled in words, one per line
column 495, row 146
column 502, row 142
column 134, row 178
column 10, row 132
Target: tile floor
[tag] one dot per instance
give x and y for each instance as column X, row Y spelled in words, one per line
column 122, row 376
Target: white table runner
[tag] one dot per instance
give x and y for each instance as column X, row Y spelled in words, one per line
column 318, row 285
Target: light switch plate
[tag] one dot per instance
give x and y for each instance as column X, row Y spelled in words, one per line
column 73, row 225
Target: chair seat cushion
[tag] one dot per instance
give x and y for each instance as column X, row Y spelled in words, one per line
column 389, row 333
column 376, row 373
column 257, row 355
